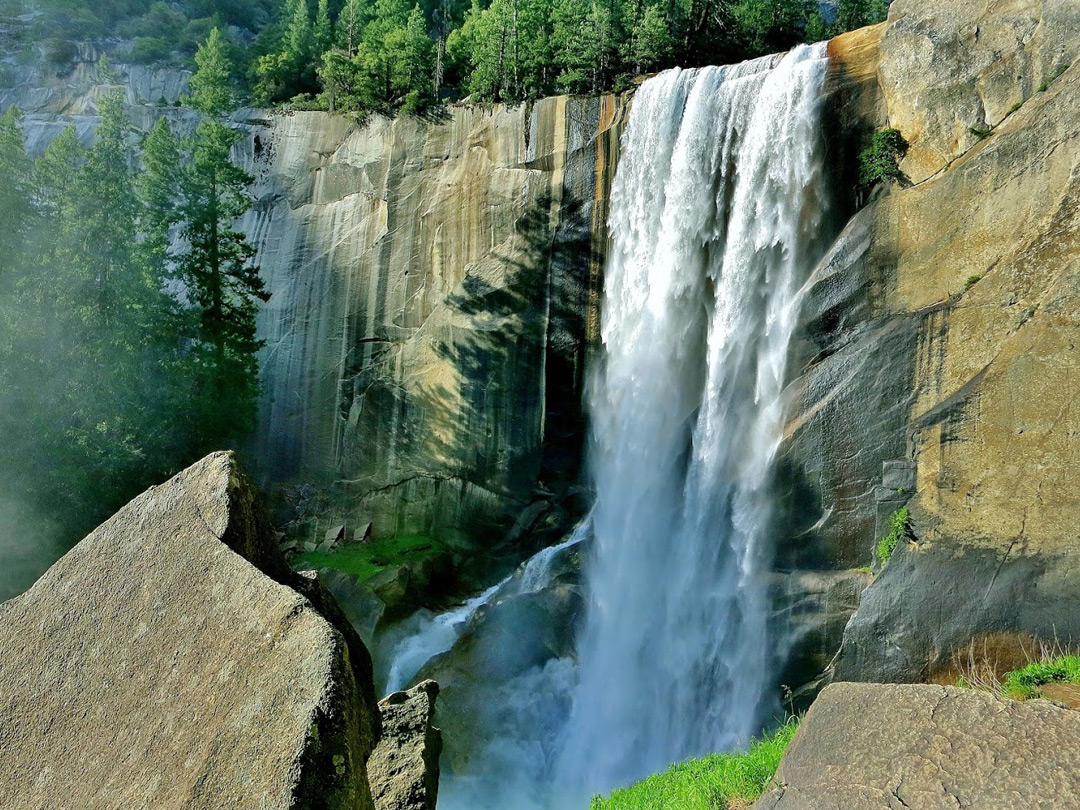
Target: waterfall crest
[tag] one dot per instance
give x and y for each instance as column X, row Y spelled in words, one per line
column 716, row 219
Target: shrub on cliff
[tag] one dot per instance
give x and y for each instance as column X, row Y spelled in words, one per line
column 887, row 544
column 879, row 163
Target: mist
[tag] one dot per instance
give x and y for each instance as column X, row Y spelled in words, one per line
column 29, row 544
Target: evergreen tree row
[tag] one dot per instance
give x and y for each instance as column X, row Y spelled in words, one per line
column 390, row 55
column 122, row 360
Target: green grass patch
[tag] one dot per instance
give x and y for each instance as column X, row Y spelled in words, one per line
column 887, row 544
column 1024, row 683
column 365, row 560
column 714, row 782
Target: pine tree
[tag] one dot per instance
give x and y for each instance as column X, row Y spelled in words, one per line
column 107, row 214
column 216, row 267
column 55, row 177
column 15, row 192
column 350, row 25
column 158, row 188
column 323, row 31
column 415, row 63
column 211, row 92
column 651, row 44
column 772, row 25
column 298, row 34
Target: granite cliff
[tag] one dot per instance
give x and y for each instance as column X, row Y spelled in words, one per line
column 939, row 366
column 434, row 290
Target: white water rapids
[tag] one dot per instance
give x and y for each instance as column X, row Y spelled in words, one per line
column 717, row 217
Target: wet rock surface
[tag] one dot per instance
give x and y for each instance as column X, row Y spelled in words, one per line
column 404, row 768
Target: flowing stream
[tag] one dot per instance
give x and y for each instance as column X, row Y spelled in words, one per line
column 718, row 214
column 437, row 634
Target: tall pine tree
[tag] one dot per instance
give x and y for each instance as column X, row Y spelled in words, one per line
column 216, row 267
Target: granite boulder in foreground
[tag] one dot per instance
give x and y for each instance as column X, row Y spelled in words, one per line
column 172, row 660
column 873, row 746
column 404, row 768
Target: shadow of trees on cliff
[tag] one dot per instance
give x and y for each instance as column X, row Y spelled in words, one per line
column 519, row 347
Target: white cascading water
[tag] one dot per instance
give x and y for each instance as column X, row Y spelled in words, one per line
column 718, row 214
column 437, row 634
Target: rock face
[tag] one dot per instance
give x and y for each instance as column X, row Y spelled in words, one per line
column 872, row 746
column 171, row 660
column 938, row 370
column 54, row 98
column 404, row 768
column 434, row 289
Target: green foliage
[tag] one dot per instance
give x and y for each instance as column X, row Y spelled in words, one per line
column 885, row 547
column 365, row 560
column 216, row 266
column 879, row 163
column 390, row 55
column 651, row 45
column 211, row 91
column 1024, row 683
column 109, row 382
column 713, row 782
column 15, row 189
column 852, row 14
column 971, row 281
column 981, row 132
column 772, row 25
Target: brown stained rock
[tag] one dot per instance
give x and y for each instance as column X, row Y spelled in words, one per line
column 463, row 285
column 404, row 768
column 908, row 747
column 154, row 666
column 941, row 335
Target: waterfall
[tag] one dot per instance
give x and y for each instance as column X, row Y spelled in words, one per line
column 437, row 634
column 717, row 215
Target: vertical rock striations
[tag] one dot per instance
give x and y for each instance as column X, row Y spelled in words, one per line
column 939, row 366
column 434, row 289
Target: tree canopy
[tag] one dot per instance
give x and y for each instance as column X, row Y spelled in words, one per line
column 390, row 55
column 127, row 305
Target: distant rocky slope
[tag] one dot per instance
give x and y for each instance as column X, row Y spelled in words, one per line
column 172, row 660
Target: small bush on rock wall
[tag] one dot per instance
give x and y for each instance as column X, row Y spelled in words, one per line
column 887, row 544
column 879, row 163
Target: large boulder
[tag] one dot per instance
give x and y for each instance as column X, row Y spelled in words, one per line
column 874, row 746
column 404, row 768
column 172, row 660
